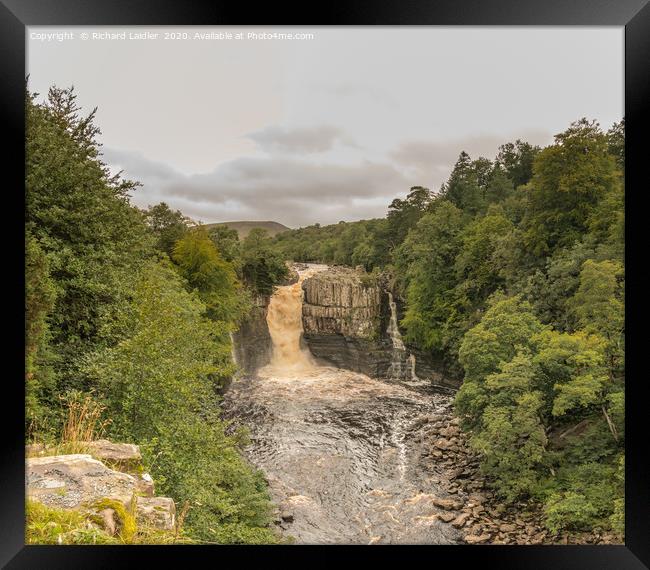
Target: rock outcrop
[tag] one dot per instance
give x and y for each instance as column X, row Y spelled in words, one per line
column 343, row 319
column 346, row 321
column 73, row 481
column 337, row 301
column 80, row 481
column 252, row 345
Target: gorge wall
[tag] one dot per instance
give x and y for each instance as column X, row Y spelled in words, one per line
column 252, row 344
column 349, row 321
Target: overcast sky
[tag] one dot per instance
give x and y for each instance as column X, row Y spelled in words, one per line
column 323, row 129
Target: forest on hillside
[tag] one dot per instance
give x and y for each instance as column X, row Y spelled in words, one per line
column 512, row 273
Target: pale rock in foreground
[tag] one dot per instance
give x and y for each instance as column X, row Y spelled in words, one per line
column 79, row 481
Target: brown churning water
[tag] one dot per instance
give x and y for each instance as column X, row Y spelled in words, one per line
column 337, row 447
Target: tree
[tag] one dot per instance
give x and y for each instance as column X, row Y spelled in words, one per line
column 463, row 188
column 599, row 306
column 475, row 265
column 616, row 143
column 168, row 226
column 227, row 243
column 512, row 437
column 517, row 159
column 262, row 268
column 40, row 296
column 81, row 218
column 507, row 326
column 570, row 178
column 157, row 385
column 404, row 214
column 425, row 266
column 215, row 279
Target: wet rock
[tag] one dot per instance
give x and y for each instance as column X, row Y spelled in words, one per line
column 336, row 301
column 252, row 341
column 159, row 512
column 287, row 516
column 442, row 444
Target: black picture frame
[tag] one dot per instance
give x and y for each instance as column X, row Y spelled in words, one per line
column 16, row 15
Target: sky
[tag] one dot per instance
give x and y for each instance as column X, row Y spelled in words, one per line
column 242, row 123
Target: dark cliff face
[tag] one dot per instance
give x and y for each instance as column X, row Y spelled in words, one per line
column 252, row 342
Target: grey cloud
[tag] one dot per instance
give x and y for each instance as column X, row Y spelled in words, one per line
column 302, row 140
column 289, row 191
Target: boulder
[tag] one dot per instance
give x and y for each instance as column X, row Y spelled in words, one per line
column 109, row 521
column 72, row 481
column 446, row 517
column 476, row 539
column 125, row 456
column 460, row 520
column 145, row 485
column 447, row 504
column 442, row 444
column 159, row 512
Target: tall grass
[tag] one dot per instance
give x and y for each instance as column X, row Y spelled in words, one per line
column 83, row 422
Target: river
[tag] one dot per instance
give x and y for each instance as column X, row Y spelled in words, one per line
column 337, row 447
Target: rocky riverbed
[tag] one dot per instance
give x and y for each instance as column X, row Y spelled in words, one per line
column 480, row 516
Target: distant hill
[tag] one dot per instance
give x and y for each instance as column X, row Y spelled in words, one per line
column 243, row 228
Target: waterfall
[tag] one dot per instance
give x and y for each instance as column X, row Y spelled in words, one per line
column 398, row 360
column 414, row 376
column 401, row 357
column 233, row 351
column 284, row 318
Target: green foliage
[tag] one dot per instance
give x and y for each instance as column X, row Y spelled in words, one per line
column 160, row 371
column 599, row 306
column 226, row 240
column 81, row 218
column 570, row 178
column 476, row 266
column 40, row 295
column 464, row 189
column 158, row 386
column 110, row 315
column 516, row 159
column 215, row 279
column 167, row 226
column 569, row 510
column 425, row 262
column 512, row 438
column 262, row 267
column 47, row 525
column 403, row 215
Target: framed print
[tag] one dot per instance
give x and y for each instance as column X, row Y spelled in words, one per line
column 296, row 285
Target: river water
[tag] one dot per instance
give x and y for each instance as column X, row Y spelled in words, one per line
column 338, row 448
